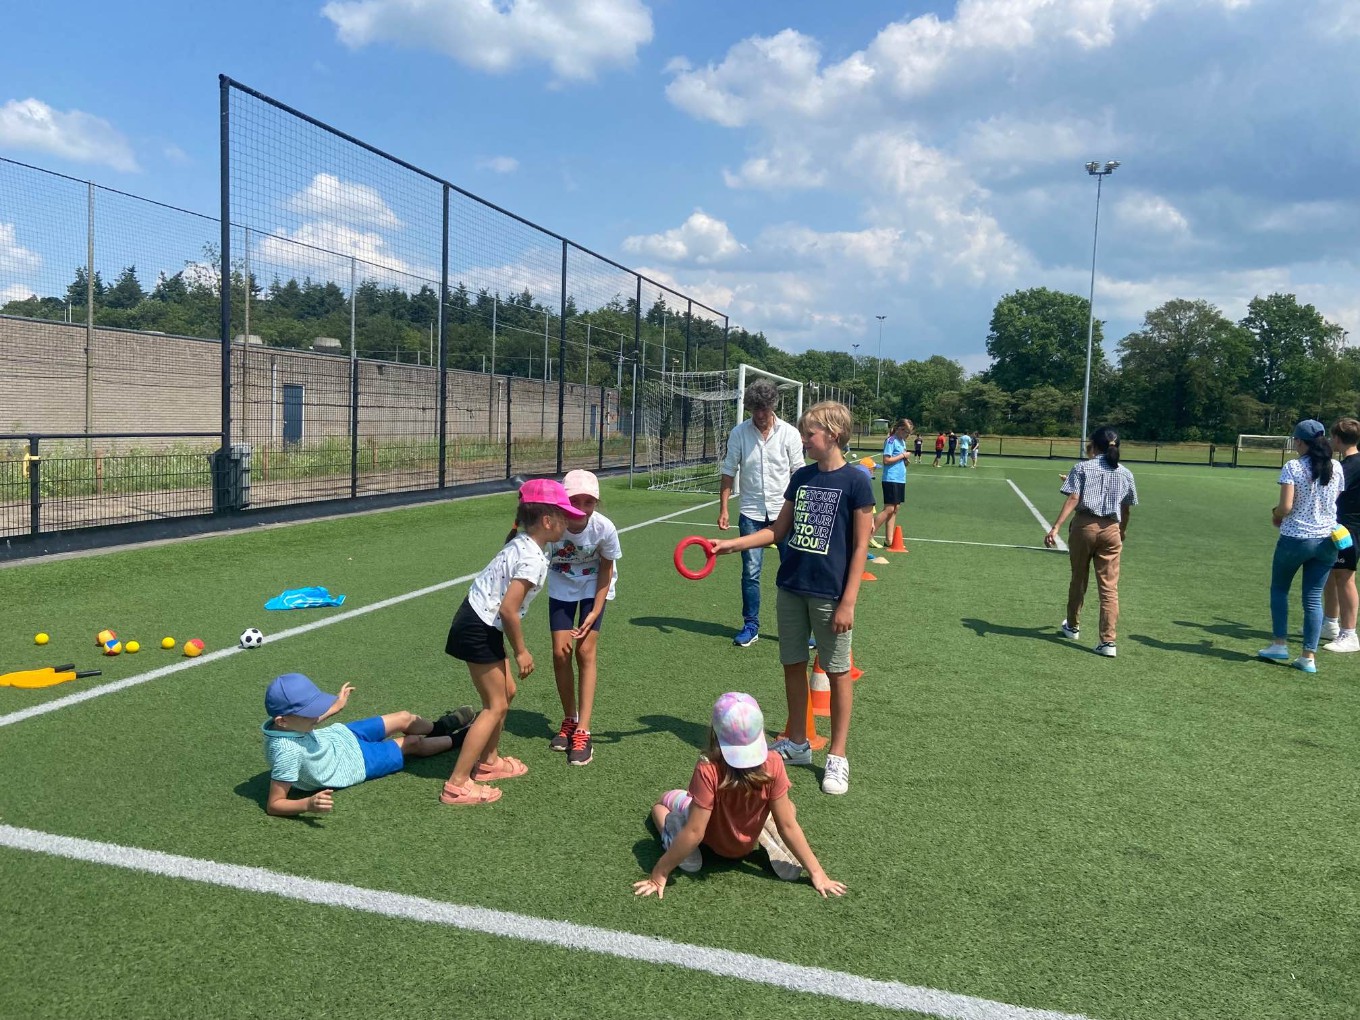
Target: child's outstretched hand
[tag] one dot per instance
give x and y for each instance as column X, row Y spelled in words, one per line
column 321, row 802
column 825, row 885
column 653, row 883
column 721, row 547
column 342, row 699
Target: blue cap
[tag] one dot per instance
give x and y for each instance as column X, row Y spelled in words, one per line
column 294, row 694
column 1309, row 428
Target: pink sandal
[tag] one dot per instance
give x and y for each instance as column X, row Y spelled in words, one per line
column 506, row 768
column 472, row 793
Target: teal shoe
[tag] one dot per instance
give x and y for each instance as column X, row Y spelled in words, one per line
column 1307, row 665
column 1275, row 653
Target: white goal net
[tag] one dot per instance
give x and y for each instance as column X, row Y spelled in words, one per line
column 684, row 419
column 1263, row 451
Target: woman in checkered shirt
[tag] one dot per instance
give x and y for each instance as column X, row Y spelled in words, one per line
column 1100, row 494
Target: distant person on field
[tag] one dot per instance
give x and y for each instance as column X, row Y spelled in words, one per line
column 825, row 524
column 321, row 759
column 895, row 458
column 939, row 449
column 762, row 453
column 581, row 579
column 1339, row 598
column 916, row 445
column 953, row 446
column 976, row 444
column 1100, row 495
column 965, row 445
column 737, row 801
column 1306, row 517
column 494, row 610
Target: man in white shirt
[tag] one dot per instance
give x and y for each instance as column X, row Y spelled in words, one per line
column 763, row 452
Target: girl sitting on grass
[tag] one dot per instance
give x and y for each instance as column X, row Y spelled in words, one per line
column 738, row 800
column 492, row 611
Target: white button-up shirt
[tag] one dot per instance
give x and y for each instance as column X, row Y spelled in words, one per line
column 762, row 466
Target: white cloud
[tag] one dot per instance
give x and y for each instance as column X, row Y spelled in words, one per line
column 701, row 239
column 500, row 164
column 329, row 198
column 783, row 169
column 177, row 155
column 575, row 38
column 14, row 257
column 1140, row 210
column 14, row 292
column 71, row 134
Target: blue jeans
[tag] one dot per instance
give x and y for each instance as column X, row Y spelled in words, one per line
column 1315, row 556
column 751, row 560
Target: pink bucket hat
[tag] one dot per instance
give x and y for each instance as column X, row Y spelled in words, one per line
column 740, row 726
column 581, row 483
column 545, row 490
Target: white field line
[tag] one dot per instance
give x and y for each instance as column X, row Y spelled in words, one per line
column 985, row 545
column 623, row 945
column 222, row 653
column 1035, row 511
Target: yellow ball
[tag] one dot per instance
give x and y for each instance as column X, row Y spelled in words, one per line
column 105, row 636
column 131, row 647
column 41, row 639
column 193, row 648
column 167, row 642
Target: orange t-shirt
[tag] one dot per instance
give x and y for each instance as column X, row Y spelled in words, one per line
column 738, row 813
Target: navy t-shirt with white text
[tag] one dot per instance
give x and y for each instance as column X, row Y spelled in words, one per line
column 815, row 560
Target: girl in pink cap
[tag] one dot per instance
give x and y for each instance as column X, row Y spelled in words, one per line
column 492, row 612
column 738, row 800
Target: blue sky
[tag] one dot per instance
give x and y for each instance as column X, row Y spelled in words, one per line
column 804, row 166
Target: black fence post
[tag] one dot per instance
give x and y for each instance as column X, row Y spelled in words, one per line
column 509, row 428
column 221, row 497
column 599, row 428
column 442, row 418
column 34, row 466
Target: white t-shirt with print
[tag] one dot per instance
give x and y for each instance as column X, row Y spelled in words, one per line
column 521, row 559
column 574, row 562
column 1314, row 513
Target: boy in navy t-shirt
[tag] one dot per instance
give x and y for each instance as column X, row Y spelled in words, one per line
column 824, row 525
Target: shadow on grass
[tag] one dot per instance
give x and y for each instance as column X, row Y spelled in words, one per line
column 1193, row 648
column 256, row 789
column 983, row 628
column 669, row 624
column 647, row 852
column 1228, row 629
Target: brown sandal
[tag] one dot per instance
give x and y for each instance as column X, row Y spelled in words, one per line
column 472, row 793
column 506, row 768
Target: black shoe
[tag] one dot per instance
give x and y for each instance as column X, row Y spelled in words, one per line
column 454, row 724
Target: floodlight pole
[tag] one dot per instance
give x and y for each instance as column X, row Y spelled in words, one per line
column 1099, row 173
column 878, row 386
column 854, row 362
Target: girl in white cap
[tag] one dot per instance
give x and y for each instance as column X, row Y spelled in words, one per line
column 581, row 578
column 738, row 800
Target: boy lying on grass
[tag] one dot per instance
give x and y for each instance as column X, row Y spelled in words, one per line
column 344, row 754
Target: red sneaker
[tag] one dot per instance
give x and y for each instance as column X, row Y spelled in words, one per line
column 562, row 740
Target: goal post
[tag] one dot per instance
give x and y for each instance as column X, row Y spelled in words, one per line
column 684, row 419
column 1262, row 451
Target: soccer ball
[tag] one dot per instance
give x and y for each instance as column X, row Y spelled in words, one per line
column 251, row 638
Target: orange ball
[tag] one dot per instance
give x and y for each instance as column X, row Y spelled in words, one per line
column 193, row 648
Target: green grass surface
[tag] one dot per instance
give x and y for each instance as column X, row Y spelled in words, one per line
column 1167, row 834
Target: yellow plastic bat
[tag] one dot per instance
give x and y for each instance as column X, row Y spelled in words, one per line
column 47, row 676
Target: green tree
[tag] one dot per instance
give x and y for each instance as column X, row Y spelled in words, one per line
column 1294, row 358
column 126, row 291
column 1038, row 338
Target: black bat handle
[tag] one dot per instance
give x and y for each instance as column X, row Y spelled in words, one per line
column 89, row 672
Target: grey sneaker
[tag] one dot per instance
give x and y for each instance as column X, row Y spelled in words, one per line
column 793, row 754
column 1069, row 633
column 1105, row 648
column 783, row 861
column 836, row 778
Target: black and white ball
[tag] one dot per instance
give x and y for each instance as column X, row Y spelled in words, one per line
column 251, row 637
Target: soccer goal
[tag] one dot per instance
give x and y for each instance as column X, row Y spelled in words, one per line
column 684, row 419
column 1263, row 451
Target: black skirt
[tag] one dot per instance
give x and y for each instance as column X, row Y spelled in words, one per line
column 472, row 640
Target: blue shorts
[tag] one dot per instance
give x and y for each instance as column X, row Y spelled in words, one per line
column 381, row 754
column 569, row 615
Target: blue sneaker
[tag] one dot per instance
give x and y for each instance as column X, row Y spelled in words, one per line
column 1307, row 665
column 1275, row 653
column 794, row 754
column 747, row 636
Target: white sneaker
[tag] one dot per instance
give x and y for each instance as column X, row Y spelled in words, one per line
column 1330, row 629
column 1069, row 633
column 1275, row 653
column 836, row 778
column 1349, row 643
column 1106, row 648
column 783, row 861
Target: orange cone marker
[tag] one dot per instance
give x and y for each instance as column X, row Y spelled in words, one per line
column 819, row 689
column 897, row 545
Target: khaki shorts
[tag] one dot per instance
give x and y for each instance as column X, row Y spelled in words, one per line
column 800, row 617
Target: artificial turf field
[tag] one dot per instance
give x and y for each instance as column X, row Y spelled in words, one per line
column 1171, row 833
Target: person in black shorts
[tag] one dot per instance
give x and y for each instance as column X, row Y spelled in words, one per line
column 1339, row 598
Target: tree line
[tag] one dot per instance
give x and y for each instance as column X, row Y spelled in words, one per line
column 1188, row 374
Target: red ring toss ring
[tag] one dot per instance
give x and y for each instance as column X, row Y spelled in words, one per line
column 706, row 569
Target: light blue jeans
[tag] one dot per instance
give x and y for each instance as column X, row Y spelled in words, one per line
column 1315, row 556
column 751, row 560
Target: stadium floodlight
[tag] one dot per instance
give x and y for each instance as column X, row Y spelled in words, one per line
column 854, row 362
column 878, row 386
column 1095, row 170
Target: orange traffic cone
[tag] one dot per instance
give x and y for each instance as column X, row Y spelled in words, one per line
column 855, row 671
column 816, row 742
column 866, row 576
column 897, row 545
column 819, row 689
